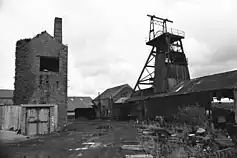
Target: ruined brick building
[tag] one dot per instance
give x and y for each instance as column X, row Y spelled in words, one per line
column 41, row 71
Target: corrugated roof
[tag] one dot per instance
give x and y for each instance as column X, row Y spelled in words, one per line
column 79, row 102
column 111, row 92
column 6, row 93
column 38, row 105
column 226, row 80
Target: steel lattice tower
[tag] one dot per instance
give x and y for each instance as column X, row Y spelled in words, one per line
column 166, row 64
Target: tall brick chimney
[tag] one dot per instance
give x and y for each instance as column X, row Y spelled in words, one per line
column 58, row 29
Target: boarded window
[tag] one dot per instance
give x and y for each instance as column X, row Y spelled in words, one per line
column 49, row 64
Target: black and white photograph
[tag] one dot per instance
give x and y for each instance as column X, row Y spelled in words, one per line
column 118, row 79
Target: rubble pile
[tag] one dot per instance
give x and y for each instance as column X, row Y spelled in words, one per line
column 133, row 149
column 187, row 140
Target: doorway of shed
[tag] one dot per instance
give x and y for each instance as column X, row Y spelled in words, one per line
column 38, row 121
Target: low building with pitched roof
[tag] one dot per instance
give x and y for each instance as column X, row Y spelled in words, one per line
column 6, row 97
column 104, row 102
column 80, row 107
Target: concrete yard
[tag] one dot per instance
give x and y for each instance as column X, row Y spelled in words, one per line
column 69, row 142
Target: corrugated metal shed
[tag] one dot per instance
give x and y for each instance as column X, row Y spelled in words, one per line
column 10, row 117
column 191, row 92
column 226, row 80
column 32, row 119
column 79, row 102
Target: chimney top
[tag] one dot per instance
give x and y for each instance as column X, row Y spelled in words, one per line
column 58, row 29
column 58, row 19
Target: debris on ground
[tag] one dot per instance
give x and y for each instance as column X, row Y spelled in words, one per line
column 107, row 139
column 190, row 142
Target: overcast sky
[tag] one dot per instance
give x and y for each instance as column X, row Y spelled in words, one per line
column 106, row 38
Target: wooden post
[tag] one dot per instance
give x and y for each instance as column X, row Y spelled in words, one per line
column 235, row 104
column 156, row 147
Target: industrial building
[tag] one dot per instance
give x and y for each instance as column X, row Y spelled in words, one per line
column 41, row 65
column 80, row 107
column 164, row 84
column 104, row 102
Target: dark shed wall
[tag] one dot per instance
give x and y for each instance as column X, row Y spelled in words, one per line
column 88, row 113
column 168, row 106
column 134, row 109
column 160, row 106
column 120, row 110
column 165, row 106
column 228, row 114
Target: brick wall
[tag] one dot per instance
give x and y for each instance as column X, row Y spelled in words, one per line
column 27, row 75
column 24, row 78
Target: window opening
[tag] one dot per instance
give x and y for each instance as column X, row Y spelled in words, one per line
column 49, row 64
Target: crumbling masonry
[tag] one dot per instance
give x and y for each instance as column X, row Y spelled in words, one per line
column 41, row 71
